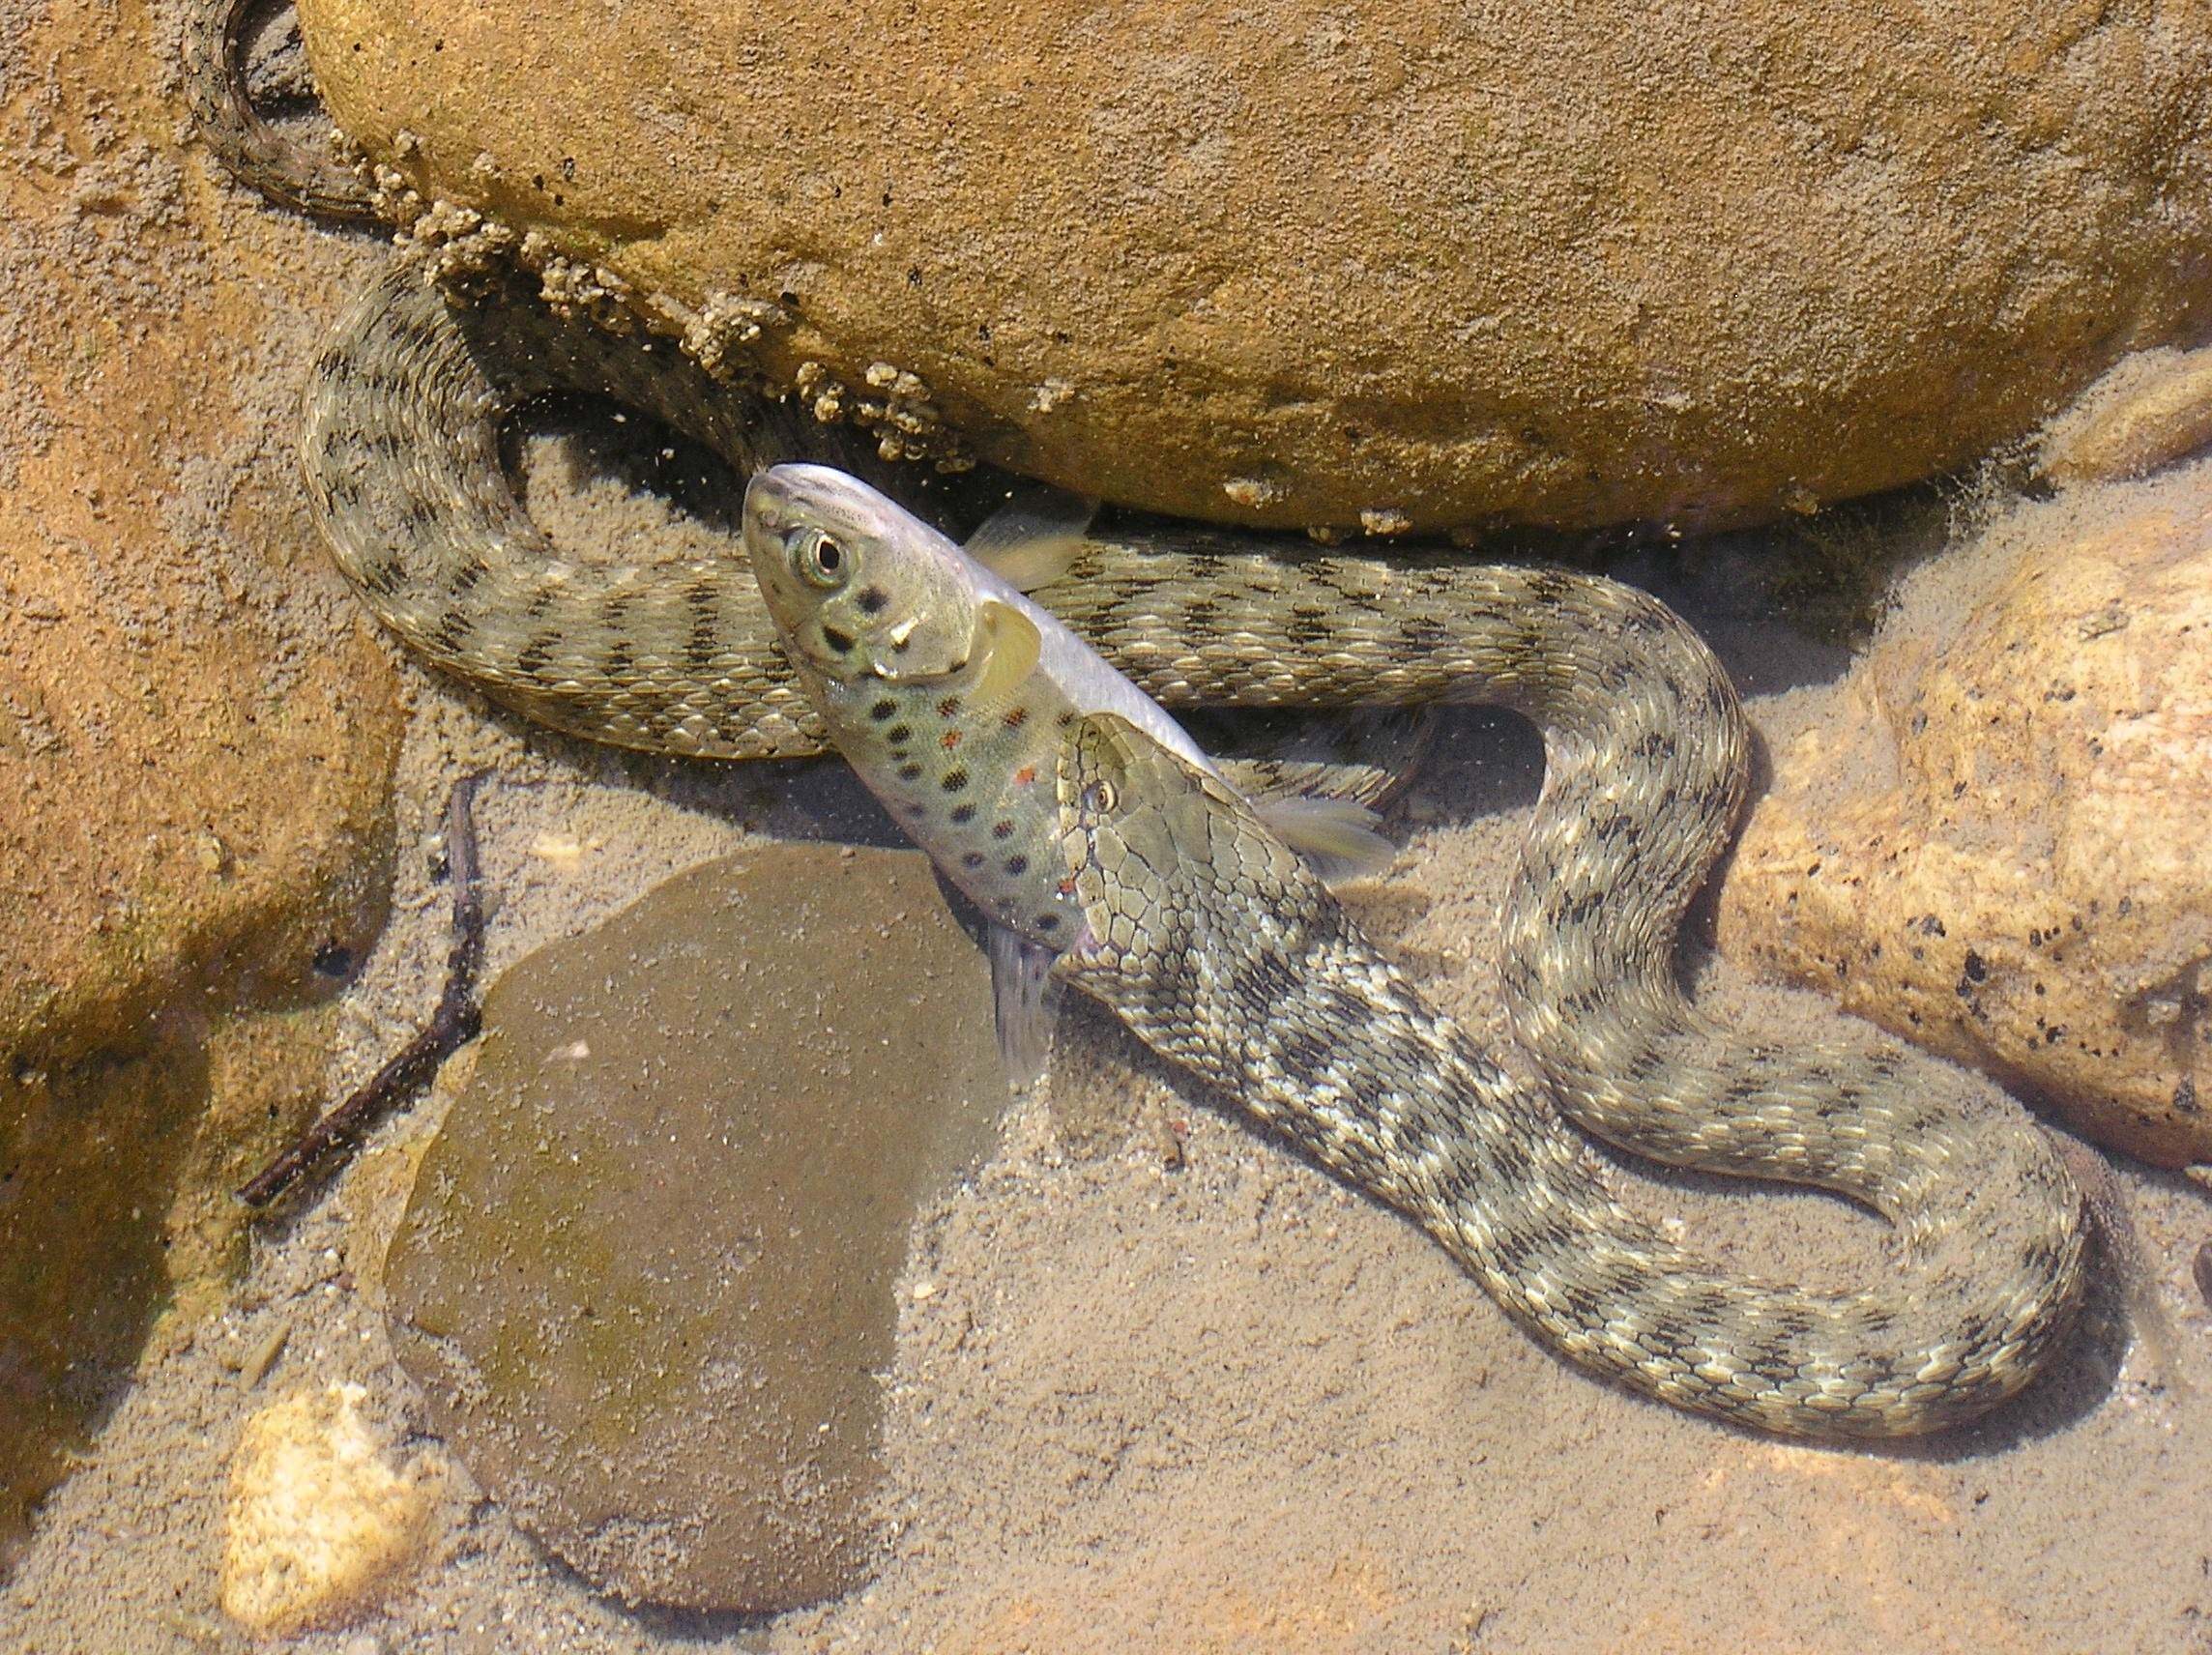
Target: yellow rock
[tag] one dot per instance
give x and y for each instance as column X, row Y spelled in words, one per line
column 196, row 737
column 2152, row 409
column 1298, row 263
column 1997, row 846
column 320, row 1517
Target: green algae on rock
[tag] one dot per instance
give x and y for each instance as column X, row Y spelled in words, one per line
column 1392, row 265
column 646, row 1277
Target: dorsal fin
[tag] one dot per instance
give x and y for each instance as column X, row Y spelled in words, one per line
column 1031, row 539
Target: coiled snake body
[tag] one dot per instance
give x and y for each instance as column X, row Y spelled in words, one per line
column 1252, row 974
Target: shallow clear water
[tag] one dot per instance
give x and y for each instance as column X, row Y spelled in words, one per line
column 1130, row 1377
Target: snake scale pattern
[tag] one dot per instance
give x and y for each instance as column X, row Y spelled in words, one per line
column 1252, row 976
column 256, row 154
column 1224, row 952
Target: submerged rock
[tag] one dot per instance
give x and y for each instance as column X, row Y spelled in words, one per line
column 1389, row 265
column 2154, row 408
column 646, row 1278
column 1998, row 850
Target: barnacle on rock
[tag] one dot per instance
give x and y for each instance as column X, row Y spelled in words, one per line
column 726, row 324
column 454, row 245
column 1253, row 491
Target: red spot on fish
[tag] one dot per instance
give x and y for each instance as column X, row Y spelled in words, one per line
column 1067, row 886
column 1024, row 775
column 950, row 740
column 1016, row 717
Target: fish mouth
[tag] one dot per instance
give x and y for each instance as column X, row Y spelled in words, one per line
column 775, row 500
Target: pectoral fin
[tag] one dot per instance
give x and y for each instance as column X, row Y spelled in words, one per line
column 1010, row 644
column 1031, row 539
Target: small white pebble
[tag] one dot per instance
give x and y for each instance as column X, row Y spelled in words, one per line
column 320, row 1517
column 562, row 850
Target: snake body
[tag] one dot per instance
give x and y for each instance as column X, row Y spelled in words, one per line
column 1222, row 951
column 252, row 151
column 1647, row 754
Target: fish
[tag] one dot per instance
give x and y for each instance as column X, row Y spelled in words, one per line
column 949, row 692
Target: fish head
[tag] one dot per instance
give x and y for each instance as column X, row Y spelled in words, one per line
column 858, row 587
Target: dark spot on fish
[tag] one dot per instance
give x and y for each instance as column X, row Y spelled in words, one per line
column 1017, row 717
column 946, row 708
column 910, row 772
column 972, row 860
column 898, row 735
column 962, row 814
column 953, row 780
column 1017, row 864
column 841, row 642
column 1001, row 829
column 883, row 710
column 1048, row 922
column 872, row 601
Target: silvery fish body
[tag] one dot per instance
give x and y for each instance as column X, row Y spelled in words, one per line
column 946, row 690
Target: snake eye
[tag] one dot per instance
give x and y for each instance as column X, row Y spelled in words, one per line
column 1100, row 797
column 821, row 562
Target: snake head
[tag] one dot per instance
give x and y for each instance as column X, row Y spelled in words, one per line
column 1161, row 854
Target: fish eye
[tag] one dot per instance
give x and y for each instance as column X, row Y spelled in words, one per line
column 822, row 561
column 1100, row 797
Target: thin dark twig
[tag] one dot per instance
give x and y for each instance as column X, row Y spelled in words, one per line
column 452, row 1026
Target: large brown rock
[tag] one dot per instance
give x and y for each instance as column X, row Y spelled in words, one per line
column 197, row 742
column 1996, row 846
column 645, row 1279
column 1298, row 264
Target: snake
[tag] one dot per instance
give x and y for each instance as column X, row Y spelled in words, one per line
column 1223, row 952
column 1238, row 962
column 254, row 153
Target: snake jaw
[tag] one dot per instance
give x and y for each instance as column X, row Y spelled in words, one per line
column 1086, row 953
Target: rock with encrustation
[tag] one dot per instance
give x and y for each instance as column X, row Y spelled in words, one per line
column 1387, row 266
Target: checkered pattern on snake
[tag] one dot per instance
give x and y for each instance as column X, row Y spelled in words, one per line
column 253, row 152
column 1646, row 756
column 1223, row 952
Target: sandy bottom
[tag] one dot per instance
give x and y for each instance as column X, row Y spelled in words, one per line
column 1171, row 1389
